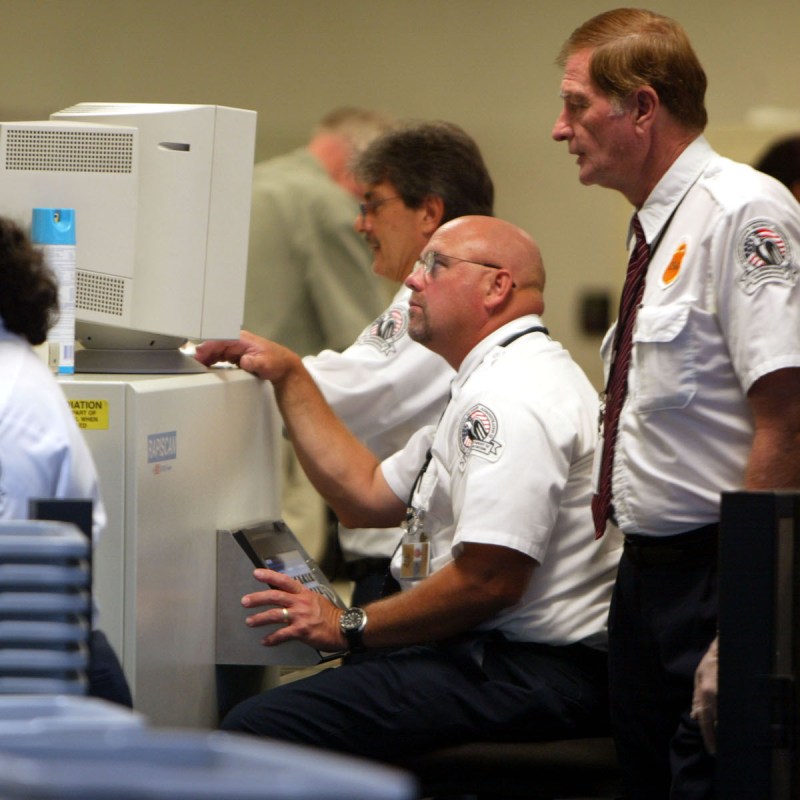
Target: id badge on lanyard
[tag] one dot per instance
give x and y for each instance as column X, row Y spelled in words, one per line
column 415, row 546
column 415, row 549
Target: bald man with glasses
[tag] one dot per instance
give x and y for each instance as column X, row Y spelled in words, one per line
column 500, row 628
column 385, row 386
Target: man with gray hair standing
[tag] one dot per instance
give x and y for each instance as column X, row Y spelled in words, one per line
column 703, row 387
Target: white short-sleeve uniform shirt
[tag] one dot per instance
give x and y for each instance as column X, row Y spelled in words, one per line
column 721, row 308
column 511, row 466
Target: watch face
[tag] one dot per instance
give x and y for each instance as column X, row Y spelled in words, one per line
column 352, row 619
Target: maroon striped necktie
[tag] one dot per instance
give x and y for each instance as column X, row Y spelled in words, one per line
column 617, row 387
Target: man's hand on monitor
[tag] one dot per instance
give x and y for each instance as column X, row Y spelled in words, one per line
column 261, row 357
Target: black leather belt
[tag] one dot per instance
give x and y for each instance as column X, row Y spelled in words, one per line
column 692, row 547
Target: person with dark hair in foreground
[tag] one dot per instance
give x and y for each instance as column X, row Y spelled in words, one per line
column 42, row 451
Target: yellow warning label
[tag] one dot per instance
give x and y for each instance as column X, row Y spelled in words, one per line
column 90, row 414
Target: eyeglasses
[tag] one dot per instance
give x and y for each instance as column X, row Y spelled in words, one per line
column 431, row 262
column 371, row 206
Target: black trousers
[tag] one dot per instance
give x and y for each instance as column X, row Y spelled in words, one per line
column 663, row 618
column 419, row 698
column 106, row 678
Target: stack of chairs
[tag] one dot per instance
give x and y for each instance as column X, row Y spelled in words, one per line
column 45, row 608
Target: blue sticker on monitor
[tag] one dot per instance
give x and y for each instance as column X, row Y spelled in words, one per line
column 162, row 447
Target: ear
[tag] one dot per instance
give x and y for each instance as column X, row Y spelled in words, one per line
column 432, row 213
column 500, row 290
column 646, row 104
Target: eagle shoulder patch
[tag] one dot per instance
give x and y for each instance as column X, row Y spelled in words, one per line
column 478, row 434
column 765, row 254
column 384, row 333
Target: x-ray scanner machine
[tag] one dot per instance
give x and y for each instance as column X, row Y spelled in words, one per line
column 179, row 457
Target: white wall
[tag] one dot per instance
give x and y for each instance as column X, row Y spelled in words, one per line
column 485, row 64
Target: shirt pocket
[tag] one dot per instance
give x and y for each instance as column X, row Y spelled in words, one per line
column 665, row 374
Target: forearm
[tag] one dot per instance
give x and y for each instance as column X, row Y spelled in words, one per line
column 774, row 461
column 468, row 591
column 339, row 466
column 435, row 609
column 484, row 580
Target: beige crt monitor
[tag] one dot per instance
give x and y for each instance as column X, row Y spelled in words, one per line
column 161, row 194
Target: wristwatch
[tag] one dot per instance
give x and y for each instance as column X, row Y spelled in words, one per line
column 352, row 624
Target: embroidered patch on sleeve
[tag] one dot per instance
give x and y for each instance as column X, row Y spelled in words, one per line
column 478, row 435
column 384, row 333
column 765, row 254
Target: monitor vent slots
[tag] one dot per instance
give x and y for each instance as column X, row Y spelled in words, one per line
column 69, row 151
column 104, row 294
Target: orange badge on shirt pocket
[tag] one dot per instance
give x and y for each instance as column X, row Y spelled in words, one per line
column 674, row 267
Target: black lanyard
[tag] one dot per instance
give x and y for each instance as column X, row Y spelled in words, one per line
column 520, row 334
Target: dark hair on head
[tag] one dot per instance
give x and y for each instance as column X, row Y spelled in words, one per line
column 421, row 159
column 633, row 47
column 28, row 288
column 782, row 160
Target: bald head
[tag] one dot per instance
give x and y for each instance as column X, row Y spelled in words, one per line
column 495, row 241
column 481, row 273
